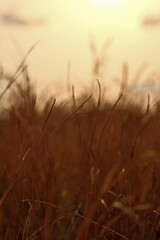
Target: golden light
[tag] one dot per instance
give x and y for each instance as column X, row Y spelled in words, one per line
column 106, row 3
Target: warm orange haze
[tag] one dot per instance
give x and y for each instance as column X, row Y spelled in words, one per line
column 65, row 30
column 105, row 3
column 79, row 120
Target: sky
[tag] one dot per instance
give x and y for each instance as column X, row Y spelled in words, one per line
column 73, row 34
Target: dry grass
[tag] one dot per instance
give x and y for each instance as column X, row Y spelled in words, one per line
column 87, row 171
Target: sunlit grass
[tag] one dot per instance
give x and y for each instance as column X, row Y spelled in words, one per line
column 89, row 170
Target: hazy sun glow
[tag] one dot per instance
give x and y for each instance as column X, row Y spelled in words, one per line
column 107, row 2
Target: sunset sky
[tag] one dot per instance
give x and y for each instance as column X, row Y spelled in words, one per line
column 66, row 29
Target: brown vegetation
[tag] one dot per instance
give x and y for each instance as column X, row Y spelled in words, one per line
column 85, row 171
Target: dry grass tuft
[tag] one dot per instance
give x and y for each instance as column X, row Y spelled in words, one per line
column 87, row 171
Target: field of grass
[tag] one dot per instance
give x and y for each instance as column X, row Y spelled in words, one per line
column 87, row 170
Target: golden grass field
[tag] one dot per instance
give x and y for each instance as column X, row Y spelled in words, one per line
column 87, row 170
